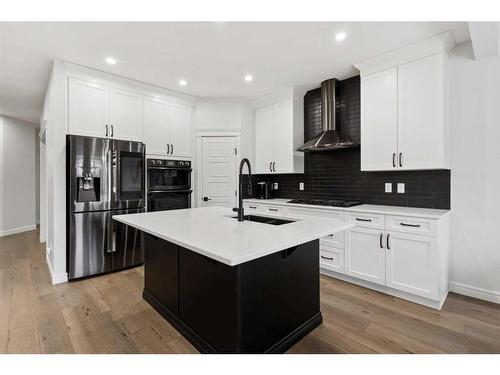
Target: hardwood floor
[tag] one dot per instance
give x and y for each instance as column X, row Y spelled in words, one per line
column 107, row 315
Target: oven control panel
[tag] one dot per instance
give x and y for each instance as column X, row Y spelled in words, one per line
column 163, row 163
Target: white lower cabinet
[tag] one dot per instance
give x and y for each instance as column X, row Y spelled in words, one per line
column 404, row 256
column 412, row 264
column 365, row 255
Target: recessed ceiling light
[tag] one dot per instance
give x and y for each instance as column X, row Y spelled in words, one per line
column 110, row 60
column 340, row 36
column 182, row 82
column 248, row 78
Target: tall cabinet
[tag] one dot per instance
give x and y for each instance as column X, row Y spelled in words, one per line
column 404, row 107
column 279, row 131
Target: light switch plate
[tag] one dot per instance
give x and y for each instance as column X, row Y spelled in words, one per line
column 401, row 187
column 301, row 186
column 388, row 187
column 275, row 186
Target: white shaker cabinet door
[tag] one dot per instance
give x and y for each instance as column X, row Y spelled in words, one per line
column 379, row 121
column 125, row 115
column 156, row 126
column 283, row 137
column 264, row 155
column 88, row 108
column 365, row 255
column 412, row 264
column 420, row 111
column 181, row 130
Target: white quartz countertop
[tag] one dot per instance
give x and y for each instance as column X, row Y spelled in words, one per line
column 428, row 213
column 211, row 231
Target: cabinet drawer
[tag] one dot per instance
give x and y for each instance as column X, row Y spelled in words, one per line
column 274, row 210
column 336, row 240
column 331, row 258
column 308, row 212
column 252, row 207
column 366, row 220
column 412, row 225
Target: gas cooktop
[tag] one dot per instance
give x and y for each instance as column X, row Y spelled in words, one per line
column 326, row 202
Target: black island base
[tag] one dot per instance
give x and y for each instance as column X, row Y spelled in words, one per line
column 262, row 306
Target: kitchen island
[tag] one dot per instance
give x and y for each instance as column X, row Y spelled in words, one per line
column 229, row 286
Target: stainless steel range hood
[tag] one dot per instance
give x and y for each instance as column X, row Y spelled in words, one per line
column 331, row 138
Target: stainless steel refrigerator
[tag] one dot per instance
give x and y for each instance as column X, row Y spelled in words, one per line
column 105, row 177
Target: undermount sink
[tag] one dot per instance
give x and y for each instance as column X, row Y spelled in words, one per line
column 265, row 219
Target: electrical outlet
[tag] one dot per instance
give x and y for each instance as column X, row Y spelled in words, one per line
column 388, row 187
column 301, row 186
column 275, row 187
column 401, row 187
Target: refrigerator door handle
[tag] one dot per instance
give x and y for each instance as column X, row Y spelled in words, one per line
column 114, row 178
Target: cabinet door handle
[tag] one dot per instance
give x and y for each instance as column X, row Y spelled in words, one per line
column 106, row 130
column 112, row 132
column 400, row 159
column 394, row 159
column 367, row 220
column 410, row 225
column 274, row 166
column 270, row 166
column 273, row 209
column 254, row 207
column 380, row 240
column 322, row 257
column 388, row 246
column 168, row 148
column 172, row 147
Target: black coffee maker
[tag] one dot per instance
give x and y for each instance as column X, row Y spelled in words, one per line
column 264, row 190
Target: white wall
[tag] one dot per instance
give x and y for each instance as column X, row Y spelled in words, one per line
column 475, row 174
column 17, row 176
column 227, row 115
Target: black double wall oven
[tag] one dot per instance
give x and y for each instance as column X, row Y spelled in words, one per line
column 169, row 184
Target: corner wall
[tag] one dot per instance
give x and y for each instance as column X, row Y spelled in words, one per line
column 18, row 183
column 475, row 174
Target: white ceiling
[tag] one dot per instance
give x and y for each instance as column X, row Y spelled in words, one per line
column 211, row 57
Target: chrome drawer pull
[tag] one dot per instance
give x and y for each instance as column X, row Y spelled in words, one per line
column 410, row 225
column 322, row 257
column 368, row 220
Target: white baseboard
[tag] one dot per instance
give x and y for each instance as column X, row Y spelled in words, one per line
column 8, row 232
column 475, row 292
column 56, row 279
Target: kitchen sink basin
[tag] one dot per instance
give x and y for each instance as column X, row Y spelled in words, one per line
column 265, row 219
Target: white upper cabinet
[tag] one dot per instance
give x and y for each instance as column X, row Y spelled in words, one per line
column 421, row 114
column 156, row 126
column 125, row 115
column 264, row 139
column 181, row 130
column 279, row 131
column 379, row 120
column 168, row 128
column 88, row 108
column 404, row 106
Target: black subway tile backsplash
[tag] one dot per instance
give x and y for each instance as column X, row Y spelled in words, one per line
column 337, row 174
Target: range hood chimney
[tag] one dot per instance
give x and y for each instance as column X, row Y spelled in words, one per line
column 331, row 138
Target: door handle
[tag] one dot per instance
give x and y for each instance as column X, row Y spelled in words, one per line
column 410, row 225
column 322, row 257
column 106, row 130
column 388, row 236
column 273, row 209
column 270, row 166
column 400, row 159
column 394, row 159
column 206, row 199
column 380, row 240
column 168, row 148
column 367, row 220
column 112, row 132
column 172, row 147
column 274, row 166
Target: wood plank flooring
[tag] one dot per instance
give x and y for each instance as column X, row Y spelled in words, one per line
column 107, row 315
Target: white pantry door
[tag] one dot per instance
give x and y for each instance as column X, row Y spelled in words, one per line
column 218, row 171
